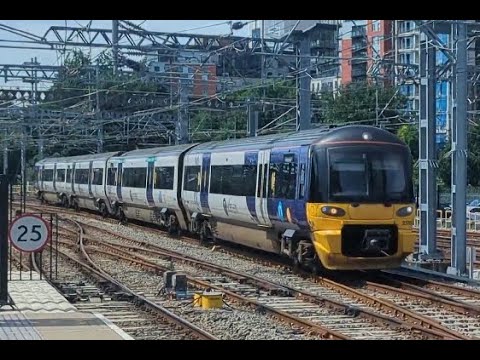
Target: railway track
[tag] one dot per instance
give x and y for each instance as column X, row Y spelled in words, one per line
column 91, row 290
column 353, row 311
column 349, row 299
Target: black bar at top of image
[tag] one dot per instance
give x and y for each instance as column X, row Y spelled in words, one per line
column 3, row 239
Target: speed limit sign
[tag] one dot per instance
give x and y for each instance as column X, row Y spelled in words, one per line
column 29, row 233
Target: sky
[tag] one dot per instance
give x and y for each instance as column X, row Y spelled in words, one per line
column 49, row 57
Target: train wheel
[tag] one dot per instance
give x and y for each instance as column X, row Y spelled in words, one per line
column 75, row 205
column 103, row 210
column 64, row 201
column 122, row 217
column 172, row 225
column 205, row 233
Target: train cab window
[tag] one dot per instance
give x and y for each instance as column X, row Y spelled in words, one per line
column 135, row 177
column 60, row 176
column 97, row 178
column 69, row 175
column 47, row 175
column 112, row 176
column 192, row 178
column 164, row 178
column 283, row 180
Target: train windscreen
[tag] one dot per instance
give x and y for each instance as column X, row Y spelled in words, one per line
column 368, row 176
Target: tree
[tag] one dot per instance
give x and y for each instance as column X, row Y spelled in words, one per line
column 231, row 123
column 357, row 102
column 408, row 133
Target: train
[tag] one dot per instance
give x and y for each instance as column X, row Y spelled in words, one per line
column 336, row 198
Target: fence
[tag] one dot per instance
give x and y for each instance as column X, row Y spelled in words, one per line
column 16, row 264
column 30, row 266
column 444, row 220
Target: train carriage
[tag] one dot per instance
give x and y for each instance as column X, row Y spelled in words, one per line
column 143, row 184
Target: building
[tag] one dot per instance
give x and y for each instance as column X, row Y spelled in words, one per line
column 323, row 36
column 328, row 83
column 407, row 59
column 365, row 48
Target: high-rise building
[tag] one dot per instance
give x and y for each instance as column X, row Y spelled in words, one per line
column 364, row 47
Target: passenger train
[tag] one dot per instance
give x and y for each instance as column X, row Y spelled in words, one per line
column 338, row 198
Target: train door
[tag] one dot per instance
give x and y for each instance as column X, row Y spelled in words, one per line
column 41, row 177
column 55, row 177
column 90, row 178
column 149, row 191
column 262, row 188
column 119, row 181
column 73, row 178
column 205, row 183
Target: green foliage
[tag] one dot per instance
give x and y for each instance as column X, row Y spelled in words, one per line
column 409, row 134
column 232, row 122
column 357, row 102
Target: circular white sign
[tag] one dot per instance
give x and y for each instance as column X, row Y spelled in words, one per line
column 29, row 233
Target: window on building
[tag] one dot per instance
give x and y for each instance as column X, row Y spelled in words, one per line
column 238, row 180
column 375, row 25
column 60, row 175
column 112, row 176
column 97, row 176
column 376, row 46
column 164, row 177
column 204, row 77
column 192, row 178
column 134, row 177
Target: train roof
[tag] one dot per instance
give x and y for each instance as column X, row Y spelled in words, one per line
column 306, row 137
column 79, row 158
column 165, row 151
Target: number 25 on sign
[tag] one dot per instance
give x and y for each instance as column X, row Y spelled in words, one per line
column 29, row 233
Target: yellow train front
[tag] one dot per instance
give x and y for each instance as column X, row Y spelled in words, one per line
column 361, row 205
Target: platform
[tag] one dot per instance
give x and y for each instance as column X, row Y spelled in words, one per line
column 40, row 312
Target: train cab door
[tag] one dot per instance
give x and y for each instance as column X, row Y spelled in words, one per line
column 262, row 187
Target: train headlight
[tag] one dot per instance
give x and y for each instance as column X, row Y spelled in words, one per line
column 333, row 211
column 405, row 211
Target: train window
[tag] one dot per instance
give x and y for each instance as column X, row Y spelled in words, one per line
column 164, row 177
column 283, row 180
column 47, row 175
column 238, row 180
column 111, row 176
column 97, row 178
column 192, row 178
column 134, row 177
column 69, row 175
column 60, row 175
column 81, row 176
